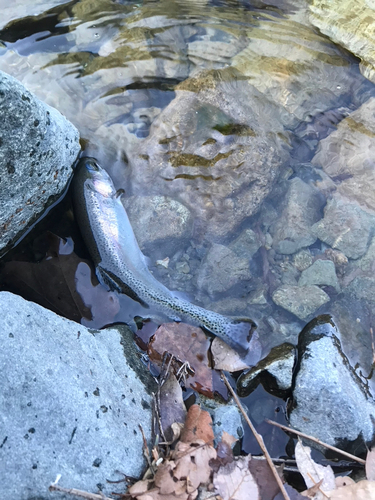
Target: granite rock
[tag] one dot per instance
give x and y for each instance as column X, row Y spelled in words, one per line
column 38, row 147
column 321, row 272
column 331, row 402
column 345, row 226
column 70, row 404
column 300, row 300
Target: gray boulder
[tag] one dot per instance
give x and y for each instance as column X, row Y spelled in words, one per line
column 321, row 272
column 331, row 402
column 37, row 149
column 70, row 404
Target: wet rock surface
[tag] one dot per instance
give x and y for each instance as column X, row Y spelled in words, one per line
column 160, row 223
column 349, row 23
column 321, row 272
column 300, row 300
column 331, row 401
column 300, row 209
column 70, row 403
column 274, row 372
column 221, row 269
column 345, row 226
column 38, row 147
column 346, row 155
column 208, row 146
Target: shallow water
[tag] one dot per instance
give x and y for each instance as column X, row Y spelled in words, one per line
column 217, row 106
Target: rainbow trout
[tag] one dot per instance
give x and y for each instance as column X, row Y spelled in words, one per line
column 121, row 265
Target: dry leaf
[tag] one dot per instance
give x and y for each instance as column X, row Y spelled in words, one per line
column 226, row 358
column 228, row 439
column 235, row 482
column 139, row 487
column 172, row 407
column 343, row 481
column 312, row 472
column 370, row 465
column 187, row 344
column 261, row 472
column 198, row 425
column 192, row 462
column 313, row 490
column 364, row 490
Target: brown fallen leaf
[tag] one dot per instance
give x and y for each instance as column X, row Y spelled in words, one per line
column 188, row 344
column 198, row 425
column 172, row 406
column 312, row 472
column 226, row 358
column 370, row 465
column 363, row 490
column 192, row 463
column 235, row 482
column 262, row 474
column 343, row 481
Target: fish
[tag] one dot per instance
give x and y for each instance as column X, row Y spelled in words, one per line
column 121, row 265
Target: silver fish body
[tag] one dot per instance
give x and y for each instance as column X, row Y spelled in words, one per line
column 120, row 264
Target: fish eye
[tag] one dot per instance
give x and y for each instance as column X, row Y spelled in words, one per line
column 92, row 165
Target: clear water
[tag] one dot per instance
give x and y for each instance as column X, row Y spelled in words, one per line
column 217, row 105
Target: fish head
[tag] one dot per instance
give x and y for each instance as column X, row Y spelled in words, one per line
column 95, row 177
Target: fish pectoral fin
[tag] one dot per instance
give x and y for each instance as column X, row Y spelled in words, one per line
column 115, row 284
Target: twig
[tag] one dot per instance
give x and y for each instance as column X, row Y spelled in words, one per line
column 258, row 437
column 318, row 441
column 146, row 452
column 78, row 493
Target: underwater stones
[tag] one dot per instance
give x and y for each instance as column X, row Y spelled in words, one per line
column 300, row 209
column 346, row 155
column 331, row 402
column 221, row 269
column 300, row 300
column 345, row 226
column 246, row 244
column 159, row 223
column 38, row 147
column 350, row 23
column 214, row 149
column 321, row 272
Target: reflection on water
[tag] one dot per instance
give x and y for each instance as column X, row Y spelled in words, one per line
column 247, row 117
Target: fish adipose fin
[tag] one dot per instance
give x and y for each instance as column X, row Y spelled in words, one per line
column 114, row 283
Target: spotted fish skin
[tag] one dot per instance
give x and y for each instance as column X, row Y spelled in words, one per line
column 121, row 265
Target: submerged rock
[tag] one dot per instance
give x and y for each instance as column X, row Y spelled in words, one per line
column 345, row 226
column 38, row 147
column 351, row 24
column 300, row 300
column 221, row 269
column 299, row 211
column 321, row 272
column 331, row 402
column 159, row 223
column 215, row 149
column 70, row 403
column 346, row 155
